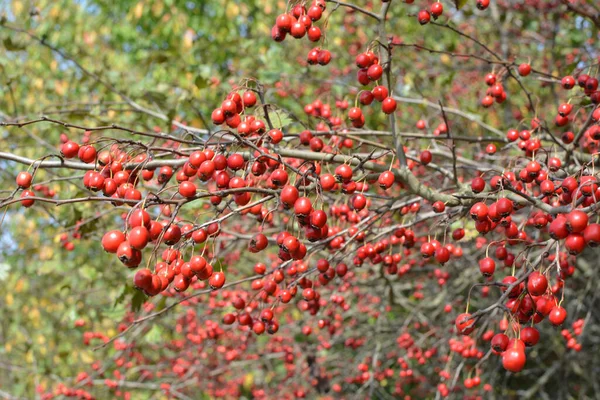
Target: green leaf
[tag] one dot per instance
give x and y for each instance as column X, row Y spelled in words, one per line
column 280, row 118
column 154, row 335
column 459, row 3
column 137, row 300
column 14, row 44
column 201, row 82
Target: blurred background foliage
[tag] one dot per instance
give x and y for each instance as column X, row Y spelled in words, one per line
column 180, row 58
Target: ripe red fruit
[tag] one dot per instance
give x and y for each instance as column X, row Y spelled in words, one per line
column 343, row 173
column 591, row 235
column 513, row 359
column 568, row 82
column 187, row 189
column 288, row 196
column 379, row 92
column 575, row 243
column 504, row 207
column 483, row 4
column 464, row 324
column 284, row 22
column 324, row 57
column 477, row 185
column 425, row 157
column 487, row 266
column 138, row 237
column 257, row 243
column 577, row 221
column 436, row 9
column 354, row 113
column 424, row 17
column 128, row 255
column 69, row 149
column 172, row 234
column 530, row 336
column 111, row 241
column 537, row 284
column 487, row 101
column 217, row 280
column 375, row 72
column 439, row 206
column 24, row 180
column 359, row 202
column 479, row 211
column 499, row 342
column 386, row 179
column 87, row 154
column 298, row 30
column 143, row 279
column 557, row 315
column 388, row 105
column 303, row 206
column 524, row 69
column 442, row 255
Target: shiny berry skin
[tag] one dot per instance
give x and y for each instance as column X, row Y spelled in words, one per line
column 257, row 243
column 487, row 266
column 172, row 235
column 380, row 92
column 557, row 315
column 425, row 157
column 69, row 149
column 138, row 237
column 499, row 342
column 479, row 211
column 386, row 179
column 483, row 4
column 143, row 279
column 187, row 189
column 424, row 17
column 436, row 9
column 139, row 217
column 343, row 173
column 288, row 196
column 439, row 206
column 111, row 241
column 591, row 235
column 354, row 114
column 302, row 206
column 530, row 336
column 128, row 255
column 575, row 243
column 375, row 72
column 217, row 280
column 477, row 185
column 513, row 359
column 24, row 180
column 464, row 324
column 87, row 154
column 577, row 221
column 537, row 284
column 568, row 82
column 388, row 105
column 524, row 69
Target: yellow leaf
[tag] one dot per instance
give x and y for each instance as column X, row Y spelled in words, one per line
column 232, row 10
column 9, row 299
column 17, row 7
column 248, row 381
column 138, row 10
